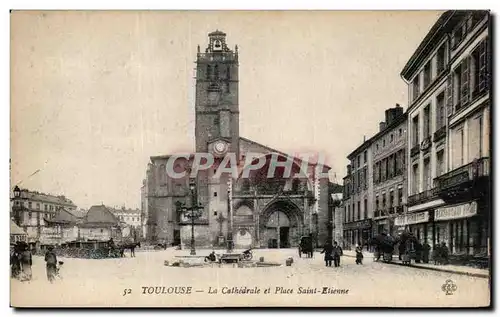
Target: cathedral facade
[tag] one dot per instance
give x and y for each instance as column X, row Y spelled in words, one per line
column 253, row 209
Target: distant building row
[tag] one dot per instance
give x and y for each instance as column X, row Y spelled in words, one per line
column 44, row 219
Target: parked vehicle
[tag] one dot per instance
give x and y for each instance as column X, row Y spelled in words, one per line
column 306, row 246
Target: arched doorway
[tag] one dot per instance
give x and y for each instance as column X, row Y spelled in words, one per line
column 280, row 224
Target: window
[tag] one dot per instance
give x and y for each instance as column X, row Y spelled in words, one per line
column 365, row 157
column 415, row 131
column 392, row 137
column 440, row 163
column 376, row 203
column 416, row 86
column 479, row 71
column 461, row 84
column 383, row 201
column 38, row 206
column 215, row 194
column 359, row 210
column 390, row 162
column 383, row 143
column 391, row 199
column 216, row 71
column 376, row 146
column 162, row 175
column 459, row 34
column 46, row 207
column 440, row 111
column 441, row 59
column 414, row 179
column 29, row 205
column 475, row 139
column 348, row 213
column 427, row 174
column 359, row 161
column 400, row 132
column 30, row 215
column 353, row 211
column 457, row 148
column 400, row 196
column 427, row 74
column 365, row 211
column 427, row 121
column 209, row 72
column 216, row 121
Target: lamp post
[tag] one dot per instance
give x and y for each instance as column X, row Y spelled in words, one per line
column 193, row 212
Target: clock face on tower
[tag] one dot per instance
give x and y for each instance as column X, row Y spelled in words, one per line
column 220, row 147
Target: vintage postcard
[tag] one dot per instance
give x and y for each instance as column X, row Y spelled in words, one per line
column 250, row 158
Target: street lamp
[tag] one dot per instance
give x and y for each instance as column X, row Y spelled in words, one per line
column 193, row 212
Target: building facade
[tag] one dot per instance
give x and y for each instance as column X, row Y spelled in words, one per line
column 31, row 210
column 448, row 79
column 375, row 185
column 252, row 212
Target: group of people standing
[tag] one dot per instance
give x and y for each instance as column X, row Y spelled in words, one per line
column 21, row 261
column 332, row 253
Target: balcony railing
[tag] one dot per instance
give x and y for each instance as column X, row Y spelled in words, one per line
column 423, row 196
column 439, row 134
column 463, row 174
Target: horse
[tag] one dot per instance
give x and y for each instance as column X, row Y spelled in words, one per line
column 131, row 247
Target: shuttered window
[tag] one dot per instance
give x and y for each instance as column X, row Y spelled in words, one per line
column 475, row 137
column 457, row 149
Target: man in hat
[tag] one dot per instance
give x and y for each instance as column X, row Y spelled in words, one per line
column 51, row 264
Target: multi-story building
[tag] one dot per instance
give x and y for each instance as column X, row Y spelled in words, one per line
column 375, row 186
column 389, row 179
column 448, row 133
column 31, row 210
column 358, row 193
column 131, row 217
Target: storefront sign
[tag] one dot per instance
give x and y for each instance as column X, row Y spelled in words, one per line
column 410, row 219
column 358, row 224
column 455, row 212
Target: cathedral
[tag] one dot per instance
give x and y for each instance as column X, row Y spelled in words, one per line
column 256, row 211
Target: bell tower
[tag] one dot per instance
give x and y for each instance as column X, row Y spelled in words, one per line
column 216, row 101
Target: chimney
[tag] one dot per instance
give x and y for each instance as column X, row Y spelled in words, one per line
column 382, row 126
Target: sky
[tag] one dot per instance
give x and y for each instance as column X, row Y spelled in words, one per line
column 95, row 94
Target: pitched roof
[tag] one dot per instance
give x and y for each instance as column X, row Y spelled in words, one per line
column 101, row 214
column 15, row 229
column 64, row 216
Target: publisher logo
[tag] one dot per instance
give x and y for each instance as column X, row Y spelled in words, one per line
column 449, row 287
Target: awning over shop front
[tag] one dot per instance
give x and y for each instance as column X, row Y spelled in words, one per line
column 456, row 212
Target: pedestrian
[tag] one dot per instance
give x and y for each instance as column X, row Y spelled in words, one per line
column 26, row 262
column 51, row 264
column 359, row 254
column 426, row 249
column 15, row 263
column 337, row 253
column 444, row 253
column 327, row 250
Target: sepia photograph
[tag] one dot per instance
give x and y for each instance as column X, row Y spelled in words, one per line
column 250, row 159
